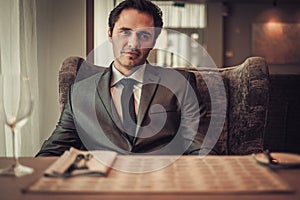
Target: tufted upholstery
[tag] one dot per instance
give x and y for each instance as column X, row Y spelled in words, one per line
column 245, row 105
column 66, row 77
column 247, row 99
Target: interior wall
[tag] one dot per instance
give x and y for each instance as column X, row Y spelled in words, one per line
column 282, row 128
column 61, row 32
column 213, row 38
column 237, row 29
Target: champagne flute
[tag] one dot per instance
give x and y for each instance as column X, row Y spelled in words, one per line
column 17, row 105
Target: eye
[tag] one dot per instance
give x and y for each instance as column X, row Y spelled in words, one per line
column 144, row 36
column 125, row 32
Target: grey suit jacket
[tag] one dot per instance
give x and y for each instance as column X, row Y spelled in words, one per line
column 168, row 119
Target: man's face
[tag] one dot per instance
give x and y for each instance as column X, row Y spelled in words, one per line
column 132, row 39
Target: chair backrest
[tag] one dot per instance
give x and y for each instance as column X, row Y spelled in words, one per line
column 247, row 95
column 248, row 86
column 246, row 102
column 67, row 76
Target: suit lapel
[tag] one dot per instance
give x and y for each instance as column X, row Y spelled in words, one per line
column 112, row 120
column 150, row 84
column 103, row 90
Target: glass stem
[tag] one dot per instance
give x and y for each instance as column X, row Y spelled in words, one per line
column 15, row 154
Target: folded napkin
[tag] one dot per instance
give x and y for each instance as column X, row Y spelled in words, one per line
column 75, row 162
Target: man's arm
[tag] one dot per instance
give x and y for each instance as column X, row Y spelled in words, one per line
column 195, row 122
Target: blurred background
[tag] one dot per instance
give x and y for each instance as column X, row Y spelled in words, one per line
column 40, row 34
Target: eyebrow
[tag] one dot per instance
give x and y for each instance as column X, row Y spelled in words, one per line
column 129, row 29
column 125, row 29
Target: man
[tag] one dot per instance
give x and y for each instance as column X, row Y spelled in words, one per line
column 161, row 117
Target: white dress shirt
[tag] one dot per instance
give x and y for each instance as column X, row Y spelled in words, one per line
column 116, row 88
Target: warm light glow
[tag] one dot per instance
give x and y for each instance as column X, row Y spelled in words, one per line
column 274, row 29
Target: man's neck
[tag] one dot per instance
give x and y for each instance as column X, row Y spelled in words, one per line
column 126, row 71
column 137, row 75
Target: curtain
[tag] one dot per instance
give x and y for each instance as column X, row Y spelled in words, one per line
column 18, row 53
column 102, row 54
column 183, row 15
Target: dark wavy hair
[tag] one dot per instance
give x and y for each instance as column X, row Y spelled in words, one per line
column 144, row 6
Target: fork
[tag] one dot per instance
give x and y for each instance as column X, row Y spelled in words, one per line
column 271, row 159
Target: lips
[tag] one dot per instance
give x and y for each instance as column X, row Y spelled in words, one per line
column 131, row 53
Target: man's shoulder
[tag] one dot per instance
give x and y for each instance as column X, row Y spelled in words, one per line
column 167, row 71
column 87, row 70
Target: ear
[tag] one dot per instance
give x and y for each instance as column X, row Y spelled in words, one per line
column 109, row 35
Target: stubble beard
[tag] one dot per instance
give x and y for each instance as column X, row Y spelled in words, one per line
column 123, row 64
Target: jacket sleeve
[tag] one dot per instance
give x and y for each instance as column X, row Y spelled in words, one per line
column 64, row 136
column 195, row 124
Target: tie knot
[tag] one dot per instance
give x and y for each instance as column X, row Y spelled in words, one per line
column 127, row 82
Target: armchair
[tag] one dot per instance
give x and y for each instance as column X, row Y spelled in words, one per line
column 246, row 102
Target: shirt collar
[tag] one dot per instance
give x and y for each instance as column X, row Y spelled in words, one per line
column 138, row 75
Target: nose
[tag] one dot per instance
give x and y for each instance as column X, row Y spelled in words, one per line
column 133, row 41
